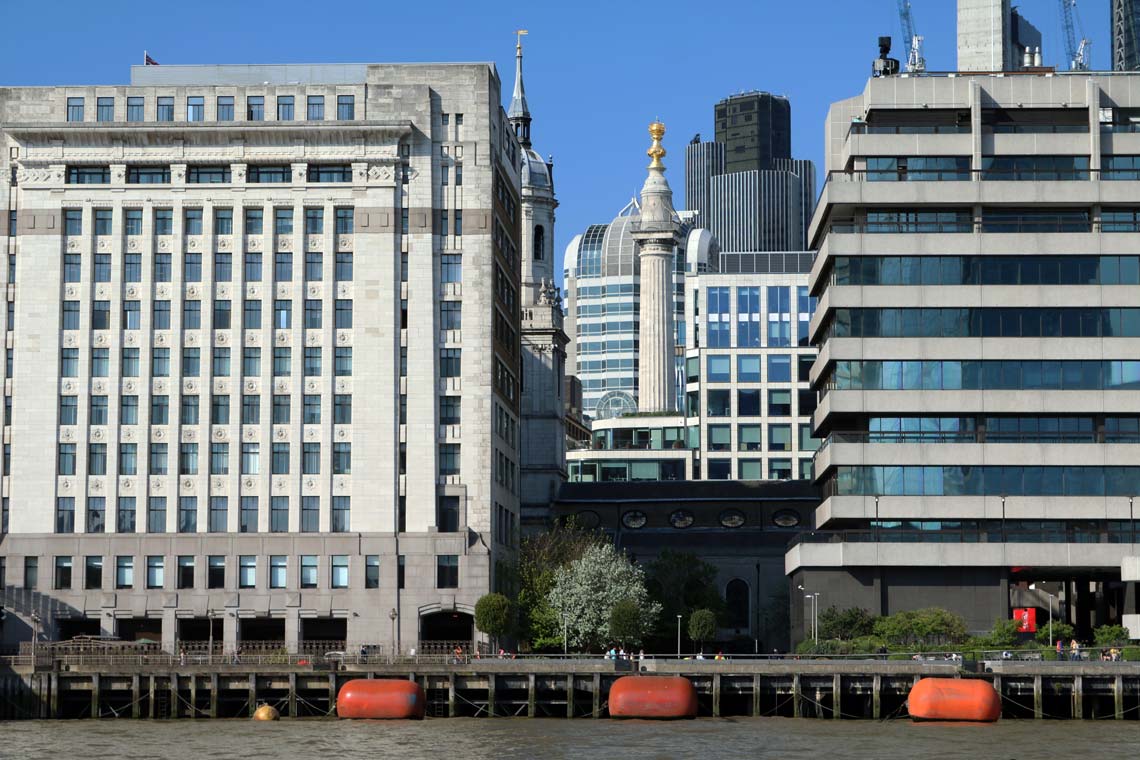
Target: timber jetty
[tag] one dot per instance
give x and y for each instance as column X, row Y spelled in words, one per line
column 163, row 687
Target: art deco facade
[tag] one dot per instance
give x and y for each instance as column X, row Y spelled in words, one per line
column 978, row 368
column 262, row 333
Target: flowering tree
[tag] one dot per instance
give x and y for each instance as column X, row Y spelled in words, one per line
column 586, row 590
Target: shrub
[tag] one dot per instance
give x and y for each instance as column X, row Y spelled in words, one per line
column 850, row 623
column 625, row 622
column 1110, row 635
column 702, row 625
column 493, row 615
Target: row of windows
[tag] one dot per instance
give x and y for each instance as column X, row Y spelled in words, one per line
column 750, row 438
column 985, row 375
column 163, row 218
column 988, row 480
column 992, row 220
column 220, row 366
column 188, row 458
column 217, row 515
column 163, row 267
column 985, row 323
column 97, row 410
column 986, row 270
column 282, row 318
column 224, row 108
column 749, row 317
column 1015, row 429
column 719, row 368
column 715, row 469
column 718, row 403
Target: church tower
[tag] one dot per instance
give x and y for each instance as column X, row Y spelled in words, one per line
column 543, row 433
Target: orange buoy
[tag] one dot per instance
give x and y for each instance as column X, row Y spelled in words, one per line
column 954, row 699
column 653, row 697
column 266, row 712
column 380, row 699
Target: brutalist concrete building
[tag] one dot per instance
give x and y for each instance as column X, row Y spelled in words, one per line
column 979, row 349
column 262, row 378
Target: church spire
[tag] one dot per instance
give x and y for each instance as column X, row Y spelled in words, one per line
column 519, row 112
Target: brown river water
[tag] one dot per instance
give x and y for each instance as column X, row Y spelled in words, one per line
column 505, row 739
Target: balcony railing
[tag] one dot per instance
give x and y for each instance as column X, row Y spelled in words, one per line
column 863, row 128
column 977, row 436
column 992, row 225
column 979, row 535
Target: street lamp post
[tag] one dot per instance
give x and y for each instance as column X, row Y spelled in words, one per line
column 678, row 637
column 392, row 615
column 814, row 599
column 1052, row 598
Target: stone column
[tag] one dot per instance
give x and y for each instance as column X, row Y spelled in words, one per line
column 656, row 391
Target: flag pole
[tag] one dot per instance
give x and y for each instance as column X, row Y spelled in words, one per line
column 144, row 57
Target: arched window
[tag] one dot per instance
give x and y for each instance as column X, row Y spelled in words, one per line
column 736, row 598
column 539, row 242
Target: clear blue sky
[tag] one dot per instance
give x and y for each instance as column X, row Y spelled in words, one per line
column 596, row 72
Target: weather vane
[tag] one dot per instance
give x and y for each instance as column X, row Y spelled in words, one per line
column 518, row 37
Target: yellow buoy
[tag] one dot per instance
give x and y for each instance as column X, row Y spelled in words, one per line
column 266, row 712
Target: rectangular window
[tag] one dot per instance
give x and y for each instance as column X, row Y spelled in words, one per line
column 450, row 315
column 779, row 469
column 310, row 514
column 125, row 515
column 163, row 221
column 221, row 363
column 188, row 458
column 312, row 366
column 344, row 220
column 311, row 410
column 779, row 368
column 103, row 227
column 62, row 573
column 101, row 315
column 254, row 224
column 312, row 314
column 449, row 459
column 450, row 362
column 344, row 267
column 255, row 108
column 222, row 315
column 158, row 452
column 251, row 312
column 308, row 571
column 195, row 108
column 129, row 410
column 345, row 107
column 284, row 108
column 372, row 571
column 75, row 109
column 314, row 221
column 215, row 572
column 160, row 317
column 315, row 108
column 162, row 267
column 124, row 572
column 102, row 266
column 279, row 514
column 72, row 269
column 447, row 571
column 187, row 514
column 186, row 572
column 283, row 225
column 447, row 514
column 311, row 458
column 192, row 316
column 165, row 109
column 340, row 518
column 192, row 265
column 338, row 577
column 69, row 362
column 88, row 175
column 218, row 517
column 342, row 458
column 66, row 464
column 342, row 409
column 208, row 175
column 93, row 573
column 96, row 514
column 128, row 455
column 779, row 316
column 314, row 266
column 269, row 174
column 343, row 362
column 160, row 362
column 343, row 314
column 154, row 572
column 133, row 224
column 71, row 313
column 717, row 313
column 251, row 454
column 251, row 361
column 156, row 514
column 189, row 415
column 282, row 361
column 72, row 221
column 280, row 463
column 278, row 570
column 132, row 267
column 149, row 175
column 247, row 517
column 220, row 455
column 68, row 410
column 135, row 109
column 224, row 222
column 65, row 512
column 98, row 410
column 97, row 459
column 225, row 108
column 247, row 571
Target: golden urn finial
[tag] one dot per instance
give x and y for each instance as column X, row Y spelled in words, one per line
column 656, row 152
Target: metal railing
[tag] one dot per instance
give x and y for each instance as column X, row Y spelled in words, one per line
column 986, row 224
column 977, row 436
column 994, row 534
column 863, row 128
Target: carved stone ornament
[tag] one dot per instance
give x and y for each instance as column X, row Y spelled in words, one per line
column 249, row 483
column 66, row 485
column 312, row 338
column 131, row 339
column 157, row 484
column 103, row 244
column 225, row 243
column 221, row 337
column 341, row 433
column 159, row 435
column 95, row 486
column 132, row 291
column 188, row 483
column 314, row 290
column 285, row 243
column 193, row 243
column 253, row 243
column 280, row 433
column 100, row 338
column 164, row 243
column 97, row 434
column 69, row 386
column 220, row 434
column 70, row 340
column 312, row 386
column 315, row 242
column 190, row 338
column 343, row 337
column 380, row 173
column 132, row 244
column 71, row 291
column 162, row 290
column 223, row 290
column 250, row 386
column 160, row 339
column 344, row 242
column 126, row 484
column 310, row 483
column 282, row 338
column 193, row 291
column 190, row 435
column 191, row 386
column 67, row 434
column 250, row 435
column 73, row 245
column 279, row 484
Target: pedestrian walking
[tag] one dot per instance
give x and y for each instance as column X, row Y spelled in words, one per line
column 182, row 657
column 1060, row 649
column 1074, row 650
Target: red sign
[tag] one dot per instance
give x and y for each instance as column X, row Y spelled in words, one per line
column 1026, row 618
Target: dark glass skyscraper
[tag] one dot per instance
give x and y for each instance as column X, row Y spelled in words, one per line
column 1125, row 56
column 755, row 129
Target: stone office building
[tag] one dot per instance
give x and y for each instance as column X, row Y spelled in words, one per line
column 262, row 338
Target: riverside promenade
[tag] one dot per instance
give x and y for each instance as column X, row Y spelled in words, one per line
column 161, row 687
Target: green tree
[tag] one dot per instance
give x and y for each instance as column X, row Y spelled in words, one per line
column 1061, row 630
column 493, row 615
column 702, row 626
column 681, row 582
column 1110, row 636
column 586, row 590
column 1002, row 636
column 539, row 557
column 931, row 626
column 846, row 624
column 626, row 622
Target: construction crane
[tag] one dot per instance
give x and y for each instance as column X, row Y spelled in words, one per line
column 914, row 60
column 1079, row 53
